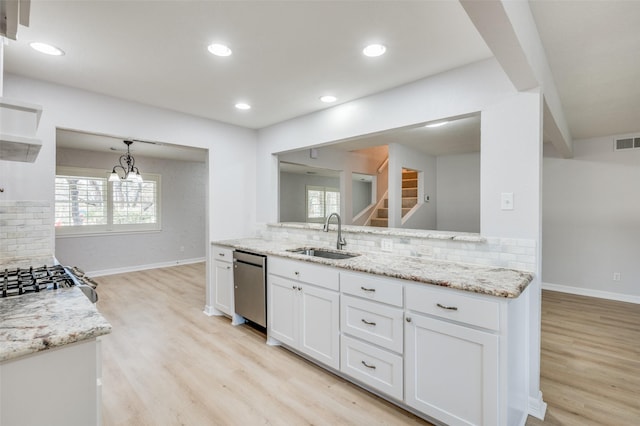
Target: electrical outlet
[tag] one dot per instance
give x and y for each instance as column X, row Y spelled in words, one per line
column 386, row 245
column 616, row 276
column 506, row 201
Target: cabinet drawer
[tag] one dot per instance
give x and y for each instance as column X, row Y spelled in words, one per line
column 222, row 253
column 372, row 366
column 372, row 288
column 446, row 303
column 322, row 276
column 373, row 322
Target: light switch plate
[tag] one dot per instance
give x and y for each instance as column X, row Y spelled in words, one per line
column 506, row 201
column 386, row 245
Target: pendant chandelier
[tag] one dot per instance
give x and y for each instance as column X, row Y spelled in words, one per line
column 128, row 165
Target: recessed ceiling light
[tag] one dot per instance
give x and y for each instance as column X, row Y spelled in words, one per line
column 47, row 49
column 328, row 99
column 438, row 124
column 242, row 105
column 219, row 49
column 374, row 50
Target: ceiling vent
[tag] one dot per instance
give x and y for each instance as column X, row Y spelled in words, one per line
column 629, row 142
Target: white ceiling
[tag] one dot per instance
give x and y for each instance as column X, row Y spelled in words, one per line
column 593, row 48
column 460, row 135
column 288, row 53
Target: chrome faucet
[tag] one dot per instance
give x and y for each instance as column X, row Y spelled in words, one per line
column 341, row 241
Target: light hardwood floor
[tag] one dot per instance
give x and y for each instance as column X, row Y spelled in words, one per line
column 166, row 363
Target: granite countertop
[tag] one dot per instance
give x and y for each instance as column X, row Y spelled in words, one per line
column 37, row 321
column 494, row 281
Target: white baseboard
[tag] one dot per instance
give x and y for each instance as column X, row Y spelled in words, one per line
column 143, row 267
column 537, row 407
column 592, row 293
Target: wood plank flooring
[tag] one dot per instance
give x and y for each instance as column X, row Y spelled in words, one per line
column 590, row 361
column 166, row 363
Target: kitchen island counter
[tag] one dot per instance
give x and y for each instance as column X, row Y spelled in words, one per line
column 494, row 281
column 48, row 319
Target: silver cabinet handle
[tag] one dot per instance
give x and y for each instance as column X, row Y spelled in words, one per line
column 373, row 367
column 367, row 322
column 368, row 289
column 221, row 254
column 448, row 308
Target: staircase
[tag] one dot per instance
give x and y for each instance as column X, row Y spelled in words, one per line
column 409, row 199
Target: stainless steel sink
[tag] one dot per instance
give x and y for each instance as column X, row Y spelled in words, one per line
column 327, row 254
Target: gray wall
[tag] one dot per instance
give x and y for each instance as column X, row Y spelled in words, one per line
column 591, row 218
column 458, row 189
column 183, row 201
column 293, row 194
column 360, row 196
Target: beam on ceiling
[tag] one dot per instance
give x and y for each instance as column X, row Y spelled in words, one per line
column 510, row 31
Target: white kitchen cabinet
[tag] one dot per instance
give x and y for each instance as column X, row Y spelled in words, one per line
column 61, row 386
column 304, row 316
column 451, row 371
column 221, row 291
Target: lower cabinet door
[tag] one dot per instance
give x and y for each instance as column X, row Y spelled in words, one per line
column 375, row 367
column 282, row 322
column 451, row 371
column 320, row 324
column 223, row 289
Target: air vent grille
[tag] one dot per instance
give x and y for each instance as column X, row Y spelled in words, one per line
column 629, row 142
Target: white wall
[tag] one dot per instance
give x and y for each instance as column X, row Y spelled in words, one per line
column 183, row 217
column 231, row 193
column 453, row 93
column 231, row 188
column 458, row 192
column 591, row 219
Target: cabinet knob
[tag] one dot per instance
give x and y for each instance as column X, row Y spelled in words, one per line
column 221, row 254
column 408, row 319
column 297, row 273
column 228, row 267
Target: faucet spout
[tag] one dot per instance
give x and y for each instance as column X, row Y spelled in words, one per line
column 341, row 241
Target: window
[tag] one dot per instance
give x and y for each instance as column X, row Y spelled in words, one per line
column 87, row 203
column 321, row 202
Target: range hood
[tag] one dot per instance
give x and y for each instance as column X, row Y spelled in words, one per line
column 18, row 124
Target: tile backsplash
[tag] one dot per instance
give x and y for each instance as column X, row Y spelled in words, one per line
column 26, row 232
column 513, row 253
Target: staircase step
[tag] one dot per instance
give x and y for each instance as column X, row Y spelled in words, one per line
column 405, row 211
column 409, row 174
column 383, row 223
column 409, row 183
column 386, row 203
column 383, row 213
column 409, row 192
column 409, row 202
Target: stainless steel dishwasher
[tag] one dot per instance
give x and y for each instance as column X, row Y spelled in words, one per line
column 249, row 286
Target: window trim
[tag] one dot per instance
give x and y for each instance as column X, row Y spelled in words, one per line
column 109, row 228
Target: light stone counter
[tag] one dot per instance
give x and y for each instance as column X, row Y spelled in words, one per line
column 37, row 321
column 494, row 281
